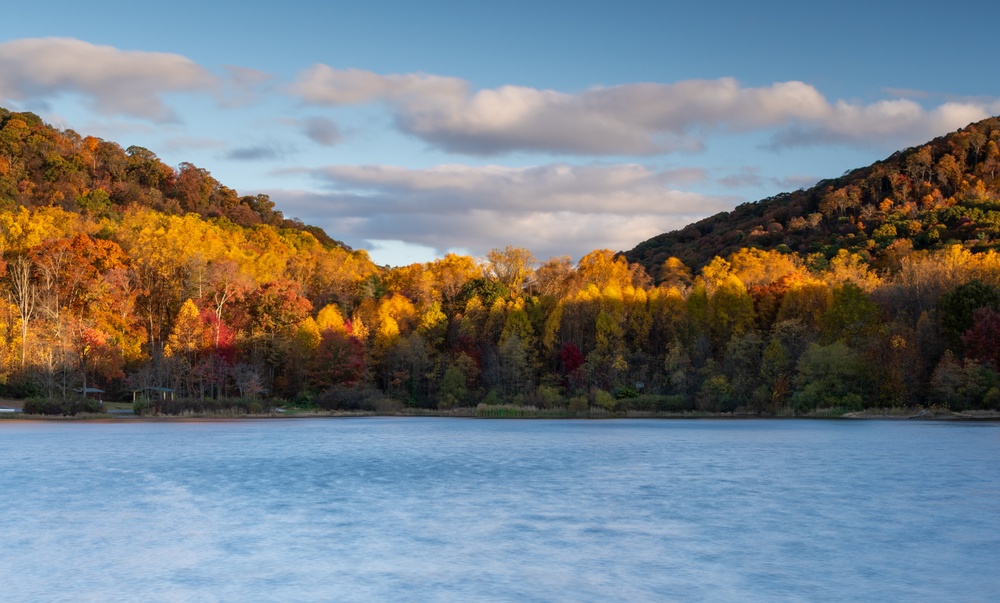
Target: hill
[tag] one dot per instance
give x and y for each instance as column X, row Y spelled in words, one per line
column 41, row 166
column 923, row 198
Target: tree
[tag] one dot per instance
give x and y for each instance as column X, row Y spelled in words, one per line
column 552, row 278
column 337, row 359
column 852, row 315
column 226, row 282
column 24, row 295
column 982, row 340
column 190, row 335
column 450, row 274
column 959, row 306
column 829, row 376
column 96, row 353
column 602, row 268
column 730, row 310
column 673, row 273
column 514, row 373
column 512, row 267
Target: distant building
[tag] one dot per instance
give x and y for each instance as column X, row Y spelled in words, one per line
column 153, row 393
column 90, row 392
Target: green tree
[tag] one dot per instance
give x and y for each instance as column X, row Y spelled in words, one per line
column 829, row 376
column 958, row 306
column 851, row 317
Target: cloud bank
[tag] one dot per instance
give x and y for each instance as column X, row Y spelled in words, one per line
column 112, row 81
column 629, row 119
column 552, row 209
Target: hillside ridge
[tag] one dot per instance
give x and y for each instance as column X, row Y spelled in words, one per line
column 925, row 197
column 41, row 165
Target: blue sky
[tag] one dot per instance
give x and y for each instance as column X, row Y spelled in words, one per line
column 412, row 129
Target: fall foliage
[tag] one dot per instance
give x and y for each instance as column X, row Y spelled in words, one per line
column 881, row 288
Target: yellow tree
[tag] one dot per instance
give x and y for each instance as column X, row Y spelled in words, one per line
column 673, row 273
column 330, row 319
column 512, row 267
column 602, row 268
column 190, row 335
column 450, row 274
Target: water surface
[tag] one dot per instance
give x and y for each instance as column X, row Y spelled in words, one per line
column 390, row 509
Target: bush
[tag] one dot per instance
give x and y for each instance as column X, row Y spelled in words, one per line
column 549, row 396
column 303, row 400
column 492, row 398
column 623, row 392
column 19, row 390
column 604, row 399
column 207, row 406
column 991, row 400
column 140, row 407
column 578, row 404
column 388, row 406
column 44, row 406
column 674, row 403
column 343, row 397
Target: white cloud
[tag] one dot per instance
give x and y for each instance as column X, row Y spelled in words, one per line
column 552, row 209
column 323, row 85
column 629, row 119
column 897, row 123
column 115, row 82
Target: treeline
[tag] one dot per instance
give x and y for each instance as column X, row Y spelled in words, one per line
column 122, row 274
column 214, row 311
column 150, row 300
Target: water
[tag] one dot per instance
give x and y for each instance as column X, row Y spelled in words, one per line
column 410, row 509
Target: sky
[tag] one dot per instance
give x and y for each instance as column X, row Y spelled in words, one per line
column 414, row 129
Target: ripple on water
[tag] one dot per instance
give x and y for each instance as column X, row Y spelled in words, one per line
column 456, row 510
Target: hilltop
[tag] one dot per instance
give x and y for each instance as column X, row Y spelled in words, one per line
column 926, row 197
column 42, row 166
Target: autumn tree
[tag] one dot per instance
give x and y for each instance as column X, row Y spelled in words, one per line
column 512, row 267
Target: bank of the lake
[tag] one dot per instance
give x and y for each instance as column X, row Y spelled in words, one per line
column 507, row 411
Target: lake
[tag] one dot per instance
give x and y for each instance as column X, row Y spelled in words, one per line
column 435, row 509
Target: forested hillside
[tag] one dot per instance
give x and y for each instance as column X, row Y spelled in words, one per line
column 125, row 274
column 923, row 198
column 41, row 166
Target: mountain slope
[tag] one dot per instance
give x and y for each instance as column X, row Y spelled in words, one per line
column 925, row 197
column 43, row 166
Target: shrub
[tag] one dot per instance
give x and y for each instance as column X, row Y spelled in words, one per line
column 604, row 399
column 492, row 399
column 578, row 404
column 19, row 390
column 44, row 406
column 351, row 398
column 549, row 396
column 674, row 403
column 623, row 392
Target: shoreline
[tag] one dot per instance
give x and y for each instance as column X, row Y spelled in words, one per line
column 903, row 414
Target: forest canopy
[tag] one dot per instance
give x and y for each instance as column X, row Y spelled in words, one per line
column 878, row 289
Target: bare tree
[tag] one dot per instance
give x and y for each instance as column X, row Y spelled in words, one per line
column 23, row 294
